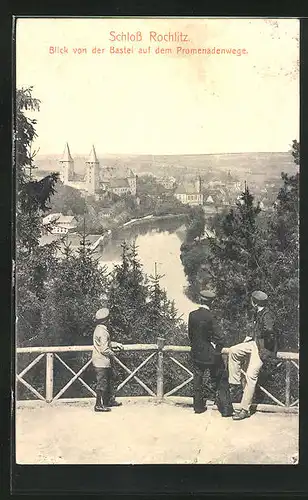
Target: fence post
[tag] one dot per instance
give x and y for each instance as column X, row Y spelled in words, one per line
column 160, row 369
column 288, row 381
column 49, row 377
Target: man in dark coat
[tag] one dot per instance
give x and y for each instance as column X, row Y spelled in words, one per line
column 206, row 344
column 258, row 346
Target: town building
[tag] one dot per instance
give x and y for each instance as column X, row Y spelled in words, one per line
column 72, row 240
column 209, row 199
column 168, row 182
column 120, row 185
column 190, row 193
column 59, row 224
column 95, row 178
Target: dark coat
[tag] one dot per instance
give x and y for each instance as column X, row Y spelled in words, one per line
column 202, row 330
column 265, row 334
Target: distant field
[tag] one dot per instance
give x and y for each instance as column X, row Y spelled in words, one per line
column 250, row 166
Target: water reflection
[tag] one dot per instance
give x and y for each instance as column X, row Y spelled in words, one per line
column 160, row 243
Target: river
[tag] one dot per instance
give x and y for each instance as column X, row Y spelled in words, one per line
column 157, row 241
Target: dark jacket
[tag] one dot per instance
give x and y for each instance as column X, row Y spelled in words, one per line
column 264, row 333
column 202, row 330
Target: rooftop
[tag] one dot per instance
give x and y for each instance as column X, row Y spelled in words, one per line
column 46, row 239
column 59, row 219
column 118, row 183
column 66, row 154
column 74, row 239
column 187, row 188
column 92, row 156
column 66, row 219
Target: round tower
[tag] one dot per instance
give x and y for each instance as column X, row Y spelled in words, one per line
column 92, row 172
column 67, row 166
column 132, row 181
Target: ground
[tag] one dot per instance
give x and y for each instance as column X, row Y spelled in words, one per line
column 142, row 432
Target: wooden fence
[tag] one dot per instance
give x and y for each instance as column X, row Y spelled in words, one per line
column 160, row 351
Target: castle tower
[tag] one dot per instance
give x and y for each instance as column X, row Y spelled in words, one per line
column 92, row 172
column 132, row 181
column 198, row 184
column 67, row 166
column 199, row 194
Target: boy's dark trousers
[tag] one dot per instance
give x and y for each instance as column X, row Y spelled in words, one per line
column 104, row 386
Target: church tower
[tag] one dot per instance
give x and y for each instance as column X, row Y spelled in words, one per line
column 132, row 181
column 198, row 184
column 92, row 172
column 67, row 166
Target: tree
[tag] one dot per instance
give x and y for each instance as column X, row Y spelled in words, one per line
column 74, row 293
column 33, row 263
column 127, row 299
column 296, row 151
column 195, row 224
column 32, row 274
column 67, row 199
column 95, row 222
column 162, row 315
column 253, row 249
column 31, row 196
column 234, row 264
column 167, row 203
column 283, row 256
column 147, row 184
column 194, row 257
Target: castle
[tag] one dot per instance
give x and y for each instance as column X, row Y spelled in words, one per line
column 95, row 179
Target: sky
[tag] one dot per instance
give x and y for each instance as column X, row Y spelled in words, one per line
column 162, row 103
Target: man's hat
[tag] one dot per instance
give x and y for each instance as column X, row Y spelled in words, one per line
column 259, row 296
column 207, row 294
column 102, row 313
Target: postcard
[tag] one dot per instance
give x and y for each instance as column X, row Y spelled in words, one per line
column 157, row 240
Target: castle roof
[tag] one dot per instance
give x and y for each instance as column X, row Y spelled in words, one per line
column 67, row 154
column 92, row 156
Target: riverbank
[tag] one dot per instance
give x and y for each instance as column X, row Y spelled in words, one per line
column 139, row 221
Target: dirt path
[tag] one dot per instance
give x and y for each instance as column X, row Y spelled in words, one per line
column 143, row 433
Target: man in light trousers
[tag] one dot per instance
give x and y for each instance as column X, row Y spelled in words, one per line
column 261, row 345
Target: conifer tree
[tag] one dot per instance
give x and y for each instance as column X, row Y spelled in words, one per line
column 283, row 257
column 75, row 292
column 195, row 224
column 127, row 298
column 33, row 263
column 162, row 316
column 234, row 264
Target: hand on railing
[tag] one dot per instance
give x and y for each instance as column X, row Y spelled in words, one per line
column 117, row 347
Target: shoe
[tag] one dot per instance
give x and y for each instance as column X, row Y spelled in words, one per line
column 115, row 403
column 241, row 415
column 201, row 410
column 230, row 414
column 101, row 408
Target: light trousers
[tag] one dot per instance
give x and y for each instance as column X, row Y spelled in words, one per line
column 237, row 354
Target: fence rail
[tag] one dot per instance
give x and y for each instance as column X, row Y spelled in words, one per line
column 160, row 351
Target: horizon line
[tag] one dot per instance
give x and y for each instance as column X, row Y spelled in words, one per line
column 169, row 154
